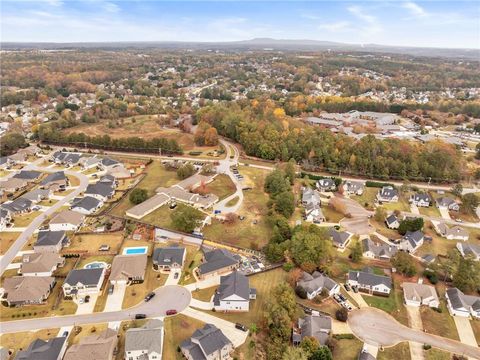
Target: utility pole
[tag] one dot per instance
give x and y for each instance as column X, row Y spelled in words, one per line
column 159, row 151
column 429, row 179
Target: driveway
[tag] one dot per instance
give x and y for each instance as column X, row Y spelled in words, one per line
column 202, row 284
column 444, row 213
column 358, row 299
column 86, row 307
column 167, row 297
column 237, row 337
column 414, row 209
column 115, row 300
column 415, row 322
column 465, row 331
column 171, row 280
column 378, row 328
column 204, row 305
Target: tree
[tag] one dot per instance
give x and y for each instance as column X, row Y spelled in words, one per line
column 230, row 218
column 357, row 252
column 211, row 137
column 290, row 171
column 285, row 203
column 11, row 142
column 380, row 214
column 470, row 202
column 310, row 247
column 410, row 225
column 309, row 345
column 341, row 314
column 467, row 276
column 185, row 218
column 301, row 292
column 138, row 196
column 404, row 263
column 185, row 171
column 294, row 353
column 338, row 205
column 323, row 353
column 457, row 189
column 276, row 183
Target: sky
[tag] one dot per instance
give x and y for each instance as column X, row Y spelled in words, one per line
column 448, row 24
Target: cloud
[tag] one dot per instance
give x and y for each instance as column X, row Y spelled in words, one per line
column 336, row 26
column 110, row 7
column 371, row 24
column 415, row 9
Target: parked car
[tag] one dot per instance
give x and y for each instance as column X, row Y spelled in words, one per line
column 140, row 316
column 110, row 289
column 65, row 334
column 87, row 299
column 175, row 276
column 337, row 298
column 172, row 205
column 347, row 287
column 149, row 296
column 355, row 289
column 81, row 301
column 342, row 298
column 241, row 327
column 171, row 312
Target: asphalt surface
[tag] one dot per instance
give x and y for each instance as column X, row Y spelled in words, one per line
column 170, row 297
column 37, row 222
column 376, row 327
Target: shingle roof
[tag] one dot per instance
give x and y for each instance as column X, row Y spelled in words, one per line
column 339, row 237
column 56, row 176
column 37, row 194
column 316, row 281
column 461, row 301
column 94, row 347
column 84, row 276
column 39, row 262
column 17, row 205
column 209, row 339
column 369, row 278
column 47, row 237
column 128, row 266
column 28, row 175
column 388, row 192
column 148, row 337
column 316, row 326
column 232, row 284
column 100, row 188
column 27, row 288
column 217, row 259
column 88, row 203
column 168, row 255
column 379, row 249
column 68, row 217
column 42, row 350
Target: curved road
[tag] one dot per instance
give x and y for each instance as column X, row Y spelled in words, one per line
column 376, row 327
column 11, row 253
column 167, row 298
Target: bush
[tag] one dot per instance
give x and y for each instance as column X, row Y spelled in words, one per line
column 377, row 184
column 301, row 292
column 427, row 347
column 288, row 267
column 341, row 314
column 344, row 336
column 431, row 276
column 138, row 196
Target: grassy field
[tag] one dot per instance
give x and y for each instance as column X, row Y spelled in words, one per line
column 222, row 186
column 204, row 294
column 430, row 211
column 332, row 215
column 402, row 204
column 21, row 340
column 435, row 354
column 24, row 220
column 8, row 238
column 476, row 329
column 162, row 216
column 136, row 293
column 177, row 329
column 192, row 260
column 367, row 199
column 347, row 349
column 441, row 324
column 79, row 332
column 438, row 245
column 399, row 351
column 233, row 201
column 91, row 242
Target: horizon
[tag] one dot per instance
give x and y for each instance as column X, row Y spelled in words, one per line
column 420, row 24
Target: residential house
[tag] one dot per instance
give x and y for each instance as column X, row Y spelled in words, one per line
column 318, row 327
column 52, row 349
column 148, row 206
column 107, row 163
column 325, row 185
column 378, row 250
column 90, row 162
column 411, row 241
column 353, row 187
column 27, row 290
column 233, row 293
column 18, row 157
column 417, row 294
column 67, row 220
column 18, row 206
column 55, row 181
column 168, row 258
column 109, row 179
column 37, row 195
column 66, row 158
column 459, row 304
column 314, row 213
column 100, row 191
column 392, row 222
column 177, row 193
column 469, row 250
column 314, row 284
column 100, row 346
column 447, row 203
column 207, row 343
column 86, row 205
column 340, row 239
column 450, row 233
column 420, row 199
column 40, row 264
column 6, row 162
column 13, row 184
column 366, row 281
column 217, row 262
column 146, row 342
column 387, row 194
column 50, row 241
column 5, row 219
column 81, row 282
column 28, row 175
column 128, row 269
column 310, row 196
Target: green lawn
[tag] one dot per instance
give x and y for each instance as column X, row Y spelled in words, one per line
column 204, row 294
column 222, row 186
column 401, row 205
column 476, row 329
column 347, row 349
column 400, row 351
column 177, row 329
column 430, row 211
column 367, row 199
column 162, row 216
column 25, row 219
column 435, row 354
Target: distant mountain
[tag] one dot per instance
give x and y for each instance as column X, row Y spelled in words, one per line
column 257, row 44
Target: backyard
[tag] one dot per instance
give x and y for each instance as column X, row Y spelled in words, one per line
column 222, row 186
column 92, row 242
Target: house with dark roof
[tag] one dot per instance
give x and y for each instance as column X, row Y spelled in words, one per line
column 29, row 175
column 392, row 222
column 81, row 282
column 66, row 158
column 233, row 294
column 459, row 304
column 387, row 194
column 90, row 162
column 55, row 181
column 27, row 290
column 340, row 239
column 354, row 187
column 309, row 196
column 325, row 185
column 50, row 241
column 411, row 241
column 5, row 218
column 420, row 199
column 378, row 250
column 146, row 342
column 469, row 250
column 208, row 343
column 86, row 205
column 52, row 349
column 447, row 203
column 315, row 283
column 366, row 281
column 100, row 191
column 217, row 262
column 168, row 258
column 18, row 206
column 318, row 327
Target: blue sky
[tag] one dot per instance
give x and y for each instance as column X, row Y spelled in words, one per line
column 454, row 24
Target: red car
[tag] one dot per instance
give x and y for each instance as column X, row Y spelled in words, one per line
column 171, row 312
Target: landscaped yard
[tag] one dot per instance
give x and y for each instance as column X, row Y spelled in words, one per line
column 24, row 220
column 397, row 352
column 177, row 329
column 79, row 332
column 347, row 349
column 92, row 242
column 8, row 238
column 222, row 186
column 21, row 340
column 392, row 304
column 367, row 199
column 441, row 324
column 204, row 294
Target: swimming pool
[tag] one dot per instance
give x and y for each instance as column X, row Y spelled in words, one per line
column 95, row 265
column 135, row 250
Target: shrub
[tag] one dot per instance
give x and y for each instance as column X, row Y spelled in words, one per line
column 301, row 292
column 138, row 196
column 341, row 314
column 427, row 347
column 343, row 336
column 377, row 184
column 288, row 266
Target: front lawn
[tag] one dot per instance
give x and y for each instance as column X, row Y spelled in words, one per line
column 399, row 351
column 367, row 199
column 177, row 329
column 222, row 186
column 431, row 211
column 79, row 332
column 347, row 349
column 21, row 340
column 435, row 354
column 204, row 294
column 24, row 220
column 8, row 238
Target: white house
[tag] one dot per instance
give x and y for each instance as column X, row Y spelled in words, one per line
column 420, row 199
column 459, row 304
column 80, row 282
column 67, row 220
column 233, row 294
column 417, row 294
column 146, row 342
column 369, row 282
column 387, row 194
column 316, row 283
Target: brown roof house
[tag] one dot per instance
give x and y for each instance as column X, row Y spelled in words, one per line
column 99, row 346
column 67, row 220
column 40, row 264
column 128, row 269
column 27, row 290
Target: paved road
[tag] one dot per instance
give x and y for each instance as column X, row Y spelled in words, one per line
column 167, row 297
column 378, row 328
column 35, row 224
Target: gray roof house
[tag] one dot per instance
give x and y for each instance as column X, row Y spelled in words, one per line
column 168, row 258
column 50, row 241
column 218, row 261
column 450, row 233
column 207, row 343
column 18, row 206
column 467, row 249
column 326, row 185
column 83, row 282
column 100, row 191
column 66, row 158
column 56, row 180
column 392, row 222
column 27, row 290
column 377, row 250
column 463, row 305
column 447, row 203
column 29, row 175
column 316, row 326
column 369, row 282
column 86, row 205
column 420, row 199
column 340, row 239
column 310, row 196
column 39, row 349
column 354, row 187
column 314, row 284
column 146, row 342
column 412, row 240
column 38, row 195
column 233, row 294
column 387, row 194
